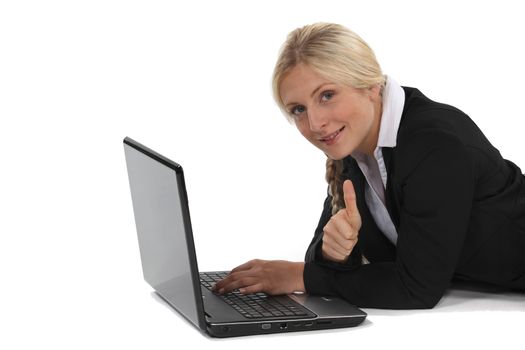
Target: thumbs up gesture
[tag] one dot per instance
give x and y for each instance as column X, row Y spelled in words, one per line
column 340, row 233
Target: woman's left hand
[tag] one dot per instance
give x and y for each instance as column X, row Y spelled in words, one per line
column 269, row 276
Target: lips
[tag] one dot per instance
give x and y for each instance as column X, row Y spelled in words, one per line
column 330, row 139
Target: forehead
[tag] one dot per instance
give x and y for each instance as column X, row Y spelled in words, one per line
column 299, row 83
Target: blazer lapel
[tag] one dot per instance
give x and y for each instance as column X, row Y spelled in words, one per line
column 389, row 194
column 373, row 243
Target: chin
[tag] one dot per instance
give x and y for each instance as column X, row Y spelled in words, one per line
column 336, row 156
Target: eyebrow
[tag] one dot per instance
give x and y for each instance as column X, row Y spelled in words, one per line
column 311, row 95
column 319, row 87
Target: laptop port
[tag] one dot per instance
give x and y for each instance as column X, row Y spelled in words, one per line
column 308, row 324
column 283, row 326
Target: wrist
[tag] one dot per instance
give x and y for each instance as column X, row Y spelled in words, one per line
column 300, row 279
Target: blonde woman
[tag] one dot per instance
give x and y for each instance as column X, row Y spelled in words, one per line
column 417, row 196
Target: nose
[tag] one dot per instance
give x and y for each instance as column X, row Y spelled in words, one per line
column 317, row 120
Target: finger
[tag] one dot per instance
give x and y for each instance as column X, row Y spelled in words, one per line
column 331, row 254
column 339, row 226
column 256, row 288
column 350, row 203
column 224, row 282
column 334, row 246
column 345, row 247
column 342, row 228
column 233, row 282
column 231, row 277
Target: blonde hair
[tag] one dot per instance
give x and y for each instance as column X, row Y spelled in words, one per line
column 339, row 55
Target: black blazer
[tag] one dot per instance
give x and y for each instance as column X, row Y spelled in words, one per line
column 458, row 207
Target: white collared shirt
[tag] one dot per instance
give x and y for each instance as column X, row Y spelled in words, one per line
column 374, row 168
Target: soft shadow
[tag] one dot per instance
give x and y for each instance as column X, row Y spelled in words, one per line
column 467, row 297
column 159, row 299
column 366, row 323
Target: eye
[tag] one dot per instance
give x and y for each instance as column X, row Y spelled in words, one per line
column 327, row 95
column 297, row 110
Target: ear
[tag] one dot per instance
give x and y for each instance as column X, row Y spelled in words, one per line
column 374, row 92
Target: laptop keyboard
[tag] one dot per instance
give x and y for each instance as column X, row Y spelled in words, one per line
column 258, row 305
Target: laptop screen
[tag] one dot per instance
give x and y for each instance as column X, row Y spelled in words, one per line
column 156, row 193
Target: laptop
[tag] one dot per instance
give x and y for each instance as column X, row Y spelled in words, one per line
column 169, row 263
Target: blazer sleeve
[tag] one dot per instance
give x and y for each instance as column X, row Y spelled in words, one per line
column 313, row 253
column 435, row 188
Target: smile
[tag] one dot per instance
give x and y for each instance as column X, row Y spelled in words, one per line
column 332, row 138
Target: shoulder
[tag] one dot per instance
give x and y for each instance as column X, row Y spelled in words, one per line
column 427, row 125
column 432, row 129
column 420, row 112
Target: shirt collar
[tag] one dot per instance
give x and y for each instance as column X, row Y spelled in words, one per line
column 393, row 103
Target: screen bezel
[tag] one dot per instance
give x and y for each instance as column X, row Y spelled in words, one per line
column 201, row 322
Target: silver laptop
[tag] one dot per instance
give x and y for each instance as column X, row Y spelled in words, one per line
column 169, row 263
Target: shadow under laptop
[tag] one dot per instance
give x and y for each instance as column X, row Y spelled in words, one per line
column 159, row 299
column 461, row 297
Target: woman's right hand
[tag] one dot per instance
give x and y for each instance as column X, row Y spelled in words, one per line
column 340, row 233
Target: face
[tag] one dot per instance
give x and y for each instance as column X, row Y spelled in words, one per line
column 336, row 118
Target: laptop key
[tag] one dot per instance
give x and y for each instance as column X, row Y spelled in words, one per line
column 257, row 305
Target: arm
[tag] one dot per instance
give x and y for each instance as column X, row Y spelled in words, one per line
column 436, row 195
column 338, row 238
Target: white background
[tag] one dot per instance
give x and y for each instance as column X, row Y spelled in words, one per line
column 191, row 79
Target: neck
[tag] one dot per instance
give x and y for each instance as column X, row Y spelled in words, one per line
column 370, row 143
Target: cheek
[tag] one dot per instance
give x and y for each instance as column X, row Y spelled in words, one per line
column 354, row 109
column 303, row 128
column 359, row 118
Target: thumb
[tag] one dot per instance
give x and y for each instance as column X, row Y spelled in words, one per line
column 350, row 203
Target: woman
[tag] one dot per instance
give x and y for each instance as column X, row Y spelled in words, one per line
column 417, row 196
